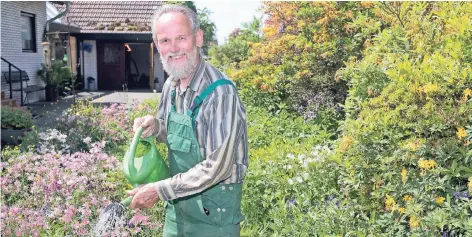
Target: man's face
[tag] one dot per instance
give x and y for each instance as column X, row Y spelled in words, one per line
column 177, row 44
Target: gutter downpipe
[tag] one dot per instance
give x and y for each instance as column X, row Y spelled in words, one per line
column 46, row 26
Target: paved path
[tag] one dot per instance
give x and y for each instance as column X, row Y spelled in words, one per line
column 126, row 97
column 47, row 112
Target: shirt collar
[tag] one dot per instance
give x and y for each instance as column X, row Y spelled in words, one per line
column 198, row 75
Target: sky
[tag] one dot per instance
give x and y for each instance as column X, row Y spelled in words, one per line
column 229, row 14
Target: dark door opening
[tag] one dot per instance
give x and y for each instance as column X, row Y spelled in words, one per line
column 137, row 65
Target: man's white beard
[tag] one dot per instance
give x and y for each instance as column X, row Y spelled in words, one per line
column 180, row 72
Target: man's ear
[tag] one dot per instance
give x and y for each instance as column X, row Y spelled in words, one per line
column 199, row 38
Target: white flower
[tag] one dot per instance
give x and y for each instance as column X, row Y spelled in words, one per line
column 87, row 140
column 290, row 181
column 301, row 156
column 291, row 156
column 299, row 179
column 306, row 175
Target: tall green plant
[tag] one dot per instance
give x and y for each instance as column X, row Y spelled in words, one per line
column 54, row 75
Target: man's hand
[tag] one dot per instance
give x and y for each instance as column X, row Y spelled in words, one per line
column 150, row 125
column 144, row 196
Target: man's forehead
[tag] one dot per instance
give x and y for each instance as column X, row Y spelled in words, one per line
column 173, row 18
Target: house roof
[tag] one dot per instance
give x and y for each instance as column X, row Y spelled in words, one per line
column 111, row 16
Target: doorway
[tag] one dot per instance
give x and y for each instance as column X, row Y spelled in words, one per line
column 137, row 66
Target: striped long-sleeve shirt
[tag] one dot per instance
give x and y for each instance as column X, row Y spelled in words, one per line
column 221, row 131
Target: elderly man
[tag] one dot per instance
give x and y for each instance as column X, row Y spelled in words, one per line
column 203, row 123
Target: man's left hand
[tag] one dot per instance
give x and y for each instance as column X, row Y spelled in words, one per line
column 144, row 197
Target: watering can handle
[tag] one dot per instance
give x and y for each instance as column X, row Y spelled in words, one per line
column 132, row 152
column 136, row 176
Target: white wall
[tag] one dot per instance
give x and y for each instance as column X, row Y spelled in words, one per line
column 90, row 64
column 11, row 44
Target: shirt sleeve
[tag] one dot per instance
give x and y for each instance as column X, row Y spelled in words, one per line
column 222, row 124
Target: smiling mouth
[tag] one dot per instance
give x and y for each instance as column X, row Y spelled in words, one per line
column 175, row 57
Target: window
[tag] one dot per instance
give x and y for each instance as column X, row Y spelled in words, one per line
column 28, row 32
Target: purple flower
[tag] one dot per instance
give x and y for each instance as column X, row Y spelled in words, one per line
column 292, row 202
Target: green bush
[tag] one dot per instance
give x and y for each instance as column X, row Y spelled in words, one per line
column 403, row 145
column 15, row 117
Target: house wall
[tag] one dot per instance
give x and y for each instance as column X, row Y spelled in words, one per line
column 11, row 44
column 90, row 64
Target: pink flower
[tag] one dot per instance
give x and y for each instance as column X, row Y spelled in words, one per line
column 85, row 222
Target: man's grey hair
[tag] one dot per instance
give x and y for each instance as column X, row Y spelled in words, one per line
column 191, row 15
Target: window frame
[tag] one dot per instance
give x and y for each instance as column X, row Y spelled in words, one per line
column 32, row 18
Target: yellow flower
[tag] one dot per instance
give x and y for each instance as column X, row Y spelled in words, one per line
column 414, row 222
column 439, row 200
column 345, row 143
column 404, row 175
column 470, row 184
column 426, row 165
column 467, row 92
column 461, row 133
column 407, row 198
column 390, row 203
column 413, row 145
column 401, row 210
column 431, row 88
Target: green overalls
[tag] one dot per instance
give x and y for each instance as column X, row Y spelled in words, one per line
column 213, row 212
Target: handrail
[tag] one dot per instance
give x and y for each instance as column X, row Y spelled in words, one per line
column 10, row 63
column 11, row 82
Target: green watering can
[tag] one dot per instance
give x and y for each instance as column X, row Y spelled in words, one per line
column 143, row 170
column 138, row 170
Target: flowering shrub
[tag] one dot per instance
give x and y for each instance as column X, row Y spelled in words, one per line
column 404, row 145
column 84, row 123
column 60, row 187
column 53, row 194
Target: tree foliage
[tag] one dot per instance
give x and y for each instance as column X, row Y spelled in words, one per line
column 401, row 74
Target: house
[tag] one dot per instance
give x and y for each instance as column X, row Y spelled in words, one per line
column 108, row 45
column 21, row 36
column 114, row 46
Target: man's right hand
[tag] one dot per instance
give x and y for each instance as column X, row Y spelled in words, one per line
column 150, row 125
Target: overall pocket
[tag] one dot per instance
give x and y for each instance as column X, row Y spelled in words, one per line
column 193, row 208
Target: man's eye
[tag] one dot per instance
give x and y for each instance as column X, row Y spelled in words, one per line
column 181, row 38
column 163, row 41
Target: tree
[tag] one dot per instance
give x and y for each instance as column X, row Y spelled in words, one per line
column 237, row 48
column 209, row 29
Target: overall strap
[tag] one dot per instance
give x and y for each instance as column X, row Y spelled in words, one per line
column 172, row 101
column 193, row 111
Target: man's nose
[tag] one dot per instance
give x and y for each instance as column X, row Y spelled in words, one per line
column 174, row 47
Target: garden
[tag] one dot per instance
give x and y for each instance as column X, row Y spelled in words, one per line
column 359, row 122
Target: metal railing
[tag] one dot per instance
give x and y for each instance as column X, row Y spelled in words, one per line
column 10, row 80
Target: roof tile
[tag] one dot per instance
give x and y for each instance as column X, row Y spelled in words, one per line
column 87, row 14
